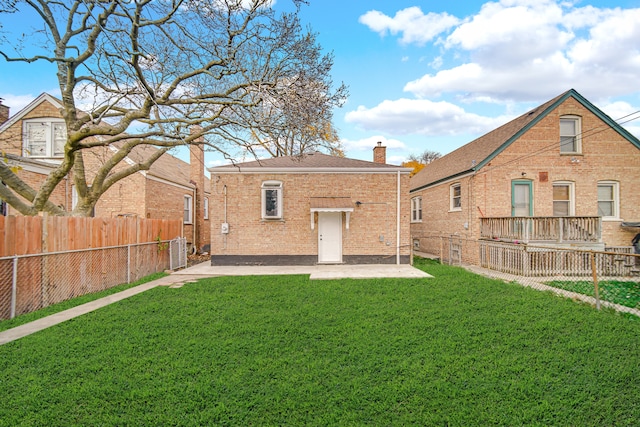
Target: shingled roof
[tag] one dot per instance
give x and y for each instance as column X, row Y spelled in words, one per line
column 474, row 155
column 166, row 167
column 310, row 161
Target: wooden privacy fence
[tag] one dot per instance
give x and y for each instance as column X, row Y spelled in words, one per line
column 23, row 235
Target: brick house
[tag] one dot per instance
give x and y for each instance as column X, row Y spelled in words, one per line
column 563, row 173
column 33, row 138
column 312, row 209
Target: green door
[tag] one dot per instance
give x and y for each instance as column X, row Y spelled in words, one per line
column 521, row 198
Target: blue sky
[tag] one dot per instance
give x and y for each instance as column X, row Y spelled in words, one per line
column 434, row 75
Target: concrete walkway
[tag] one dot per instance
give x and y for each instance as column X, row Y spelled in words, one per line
column 315, row 272
column 204, row 270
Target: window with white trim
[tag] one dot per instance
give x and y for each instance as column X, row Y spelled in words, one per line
column 570, row 131
column 608, row 199
column 188, row 210
column 416, row 209
column 455, row 195
column 563, row 198
column 206, row 208
column 44, row 137
column 272, row 200
column 74, row 197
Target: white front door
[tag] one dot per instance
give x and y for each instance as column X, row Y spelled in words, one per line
column 329, row 237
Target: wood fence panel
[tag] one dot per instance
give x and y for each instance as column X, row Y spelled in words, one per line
column 17, row 235
column 22, row 235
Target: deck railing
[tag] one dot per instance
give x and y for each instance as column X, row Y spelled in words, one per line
column 560, row 229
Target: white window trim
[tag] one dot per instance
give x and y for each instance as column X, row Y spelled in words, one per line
column 572, row 195
column 49, row 142
column 578, row 135
column 74, row 197
column 206, row 208
column 271, row 185
column 416, row 209
column 616, row 200
column 188, row 205
column 451, row 197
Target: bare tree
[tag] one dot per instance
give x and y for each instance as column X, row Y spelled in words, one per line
column 149, row 72
column 425, row 158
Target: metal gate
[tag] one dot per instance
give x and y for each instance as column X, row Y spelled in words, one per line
column 455, row 250
column 178, row 253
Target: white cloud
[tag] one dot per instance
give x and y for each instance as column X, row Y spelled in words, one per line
column 421, row 116
column 532, row 50
column 367, row 144
column 625, row 114
column 16, row 102
column 527, row 24
column 412, row 23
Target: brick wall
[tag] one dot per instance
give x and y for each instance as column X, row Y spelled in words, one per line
column 249, row 234
column 606, row 155
column 61, row 196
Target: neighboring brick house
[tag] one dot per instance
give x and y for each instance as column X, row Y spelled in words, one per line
column 311, row 209
column 564, row 173
column 33, row 138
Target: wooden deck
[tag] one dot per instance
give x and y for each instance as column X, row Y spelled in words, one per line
column 568, row 229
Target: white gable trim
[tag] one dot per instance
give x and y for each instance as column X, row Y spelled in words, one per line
column 32, row 105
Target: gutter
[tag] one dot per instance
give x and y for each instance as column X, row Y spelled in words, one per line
column 398, row 222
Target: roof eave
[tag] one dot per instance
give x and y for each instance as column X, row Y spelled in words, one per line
column 448, row 178
column 257, row 170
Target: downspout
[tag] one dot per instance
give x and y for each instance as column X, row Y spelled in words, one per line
column 195, row 219
column 398, row 223
column 224, row 236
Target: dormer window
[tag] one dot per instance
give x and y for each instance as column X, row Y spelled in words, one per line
column 570, row 131
column 44, row 137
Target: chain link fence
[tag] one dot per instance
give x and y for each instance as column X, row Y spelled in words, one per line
column 31, row 282
column 609, row 278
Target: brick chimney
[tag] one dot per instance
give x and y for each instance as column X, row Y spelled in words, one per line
column 196, row 175
column 4, row 112
column 380, row 153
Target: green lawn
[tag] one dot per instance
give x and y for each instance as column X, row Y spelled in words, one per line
column 615, row 291
column 457, row 350
column 64, row 305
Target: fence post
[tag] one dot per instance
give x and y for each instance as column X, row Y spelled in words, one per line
column 171, row 255
column 595, row 279
column 14, row 288
column 560, row 229
column 410, row 250
column 128, row 263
